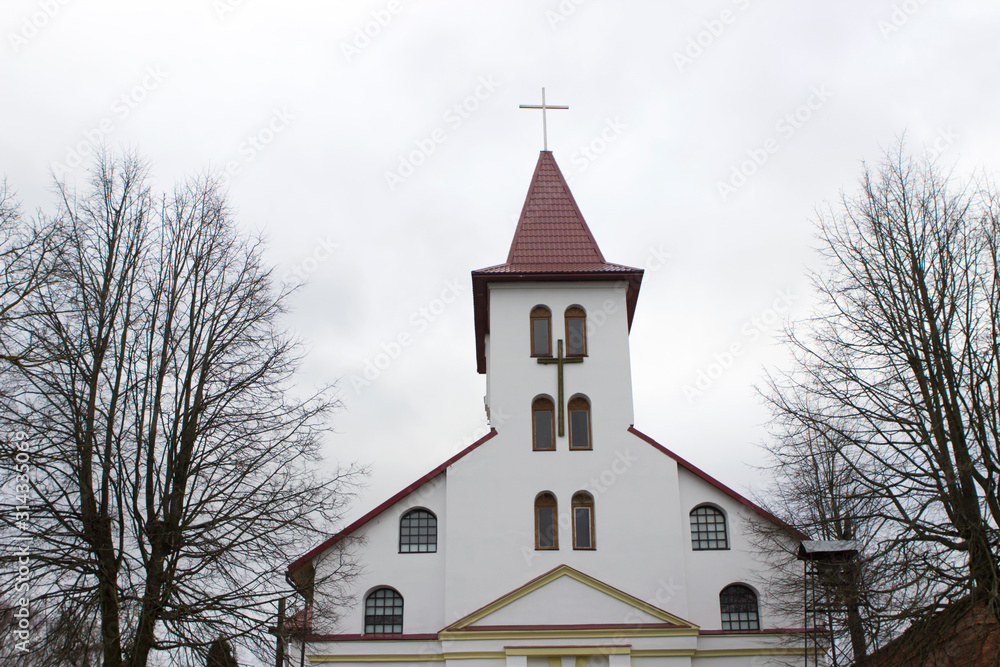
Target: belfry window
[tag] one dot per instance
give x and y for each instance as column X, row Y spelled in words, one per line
column 546, row 522
column 541, row 332
column 576, row 332
column 579, row 423
column 739, row 608
column 384, row 612
column 418, row 532
column 583, row 521
column 543, row 424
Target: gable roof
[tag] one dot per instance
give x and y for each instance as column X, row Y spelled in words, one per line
column 666, row 620
column 698, row 472
column 304, row 560
column 552, row 242
column 353, row 527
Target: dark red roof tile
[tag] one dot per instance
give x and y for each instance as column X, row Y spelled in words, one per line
column 551, row 234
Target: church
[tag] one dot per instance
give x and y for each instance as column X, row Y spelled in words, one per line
column 566, row 537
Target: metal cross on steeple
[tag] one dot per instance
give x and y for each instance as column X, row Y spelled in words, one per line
column 560, row 360
column 543, row 107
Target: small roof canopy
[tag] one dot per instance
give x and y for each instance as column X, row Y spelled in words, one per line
column 827, row 550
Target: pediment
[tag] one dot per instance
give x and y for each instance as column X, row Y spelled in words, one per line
column 565, row 598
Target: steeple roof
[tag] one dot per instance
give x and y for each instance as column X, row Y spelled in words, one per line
column 552, row 242
column 551, row 235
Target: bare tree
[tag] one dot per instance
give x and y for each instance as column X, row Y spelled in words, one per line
column 899, row 373
column 815, row 490
column 26, row 254
column 220, row 654
column 174, row 467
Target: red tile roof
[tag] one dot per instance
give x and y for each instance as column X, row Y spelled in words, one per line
column 552, row 242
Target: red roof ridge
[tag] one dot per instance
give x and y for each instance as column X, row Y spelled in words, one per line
column 743, row 500
column 336, row 537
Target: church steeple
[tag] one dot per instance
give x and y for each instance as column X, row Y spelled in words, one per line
column 551, row 233
column 552, row 242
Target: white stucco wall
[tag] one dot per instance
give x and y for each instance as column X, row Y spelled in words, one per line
column 485, row 507
column 492, row 493
column 418, row 577
column 712, row 570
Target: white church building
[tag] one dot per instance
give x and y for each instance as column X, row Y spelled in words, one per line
column 565, row 537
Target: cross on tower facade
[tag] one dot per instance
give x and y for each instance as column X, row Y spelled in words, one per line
column 545, row 134
column 560, row 360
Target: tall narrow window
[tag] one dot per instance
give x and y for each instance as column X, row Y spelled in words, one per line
column 579, row 423
column 583, row 521
column 546, row 522
column 543, row 424
column 541, row 332
column 739, row 608
column 418, row 532
column 576, row 332
column 384, row 612
column 708, row 529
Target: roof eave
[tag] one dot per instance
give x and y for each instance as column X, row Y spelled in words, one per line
column 306, row 558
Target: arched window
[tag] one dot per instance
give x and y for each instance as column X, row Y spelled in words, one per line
column 384, row 612
column 541, row 332
column 579, row 423
column 543, row 424
column 708, row 529
column 418, row 532
column 546, row 522
column 576, row 332
column 739, row 608
column 583, row 521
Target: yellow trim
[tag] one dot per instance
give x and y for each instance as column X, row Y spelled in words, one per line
column 410, row 657
column 567, row 634
column 567, row 571
column 554, row 651
column 385, row 657
column 736, row 652
column 733, row 635
column 567, row 650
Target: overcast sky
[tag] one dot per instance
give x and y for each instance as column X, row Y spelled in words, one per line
column 379, row 146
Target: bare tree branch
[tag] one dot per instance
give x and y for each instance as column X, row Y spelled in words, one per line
column 175, row 467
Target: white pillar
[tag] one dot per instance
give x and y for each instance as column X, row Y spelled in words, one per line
column 620, row 660
column 517, row 661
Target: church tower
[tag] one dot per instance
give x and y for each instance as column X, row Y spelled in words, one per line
column 555, row 292
column 565, row 537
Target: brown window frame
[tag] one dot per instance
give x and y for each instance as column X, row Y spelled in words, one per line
column 576, row 404
column 543, row 404
column 582, row 499
column 575, row 313
column 547, row 499
column 540, row 313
